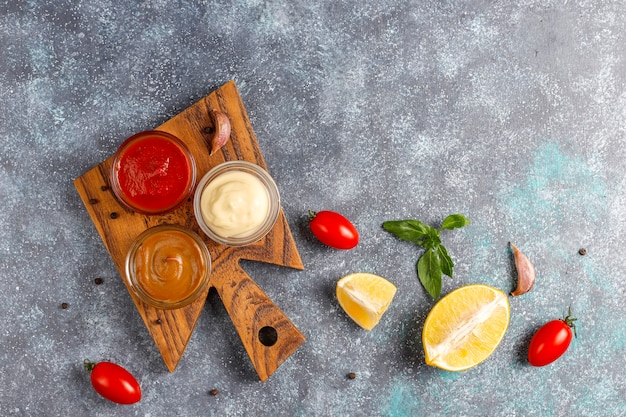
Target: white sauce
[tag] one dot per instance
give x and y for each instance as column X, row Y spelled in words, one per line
column 234, row 204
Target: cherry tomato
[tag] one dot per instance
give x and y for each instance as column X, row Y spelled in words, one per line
column 333, row 229
column 114, row 382
column 551, row 341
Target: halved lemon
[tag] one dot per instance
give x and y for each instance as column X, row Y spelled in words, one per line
column 365, row 297
column 465, row 327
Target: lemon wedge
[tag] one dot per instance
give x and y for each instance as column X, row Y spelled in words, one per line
column 365, row 297
column 465, row 327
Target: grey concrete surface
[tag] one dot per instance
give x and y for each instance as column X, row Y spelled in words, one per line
column 512, row 113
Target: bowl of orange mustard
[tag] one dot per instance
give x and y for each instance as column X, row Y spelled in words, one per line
column 168, row 267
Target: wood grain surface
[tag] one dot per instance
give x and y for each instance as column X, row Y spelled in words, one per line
column 252, row 312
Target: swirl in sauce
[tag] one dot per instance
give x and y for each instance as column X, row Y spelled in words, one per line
column 169, row 266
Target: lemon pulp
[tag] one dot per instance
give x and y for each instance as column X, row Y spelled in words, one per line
column 465, row 327
column 365, row 297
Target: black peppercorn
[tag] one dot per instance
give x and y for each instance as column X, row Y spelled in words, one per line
column 113, row 215
column 93, row 201
column 158, row 321
column 104, row 188
column 214, row 392
column 582, row 251
column 64, row 305
column 98, row 281
column 351, row 375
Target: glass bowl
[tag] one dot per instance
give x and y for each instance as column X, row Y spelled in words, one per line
column 168, row 267
column 152, row 173
column 236, row 203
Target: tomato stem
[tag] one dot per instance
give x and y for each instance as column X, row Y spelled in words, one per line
column 89, row 365
column 569, row 320
column 311, row 215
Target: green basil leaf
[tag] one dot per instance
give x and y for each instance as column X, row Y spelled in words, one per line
column 447, row 266
column 429, row 272
column 409, row 230
column 455, row 221
column 432, row 239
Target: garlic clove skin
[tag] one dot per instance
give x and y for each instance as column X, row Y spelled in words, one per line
column 525, row 272
column 221, row 134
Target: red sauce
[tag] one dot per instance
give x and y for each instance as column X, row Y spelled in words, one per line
column 153, row 172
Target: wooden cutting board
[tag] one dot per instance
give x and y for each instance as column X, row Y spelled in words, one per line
column 267, row 334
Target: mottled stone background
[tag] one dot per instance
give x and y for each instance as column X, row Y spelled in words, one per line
column 513, row 113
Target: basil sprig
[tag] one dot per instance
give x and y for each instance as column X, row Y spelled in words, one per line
column 435, row 261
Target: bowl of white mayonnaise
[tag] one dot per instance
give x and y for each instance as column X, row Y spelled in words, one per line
column 236, row 203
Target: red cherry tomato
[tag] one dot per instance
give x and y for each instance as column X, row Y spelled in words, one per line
column 333, row 229
column 114, row 382
column 551, row 341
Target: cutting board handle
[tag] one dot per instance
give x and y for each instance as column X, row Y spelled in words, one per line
column 267, row 334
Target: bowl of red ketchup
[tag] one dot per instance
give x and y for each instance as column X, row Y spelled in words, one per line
column 153, row 173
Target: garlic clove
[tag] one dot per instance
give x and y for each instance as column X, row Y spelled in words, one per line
column 525, row 272
column 221, row 133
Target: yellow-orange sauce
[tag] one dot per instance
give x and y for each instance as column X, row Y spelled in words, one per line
column 169, row 266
